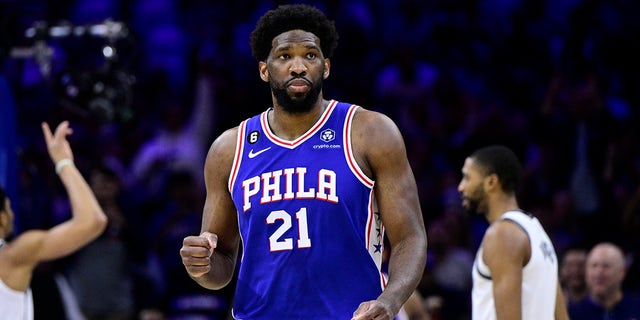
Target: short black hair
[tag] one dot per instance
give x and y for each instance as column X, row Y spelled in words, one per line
column 292, row 17
column 501, row 161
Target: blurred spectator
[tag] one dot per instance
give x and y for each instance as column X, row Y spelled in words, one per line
column 52, row 294
column 605, row 271
column 414, row 308
column 180, row 142
column 581, row 129
column 405, row 80
column 560, row 221
column 449, row 265
column 179, row 214
column 572, row 275
column 102, row 274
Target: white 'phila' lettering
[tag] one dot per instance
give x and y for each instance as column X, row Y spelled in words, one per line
column 279, row 185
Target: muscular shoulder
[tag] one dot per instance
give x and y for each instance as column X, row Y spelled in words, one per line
column 221, row 153
column 20, row 257
column 223, row 147
column 375, row 126
column 23, row 250
column 506, row 231
column 505, row 238
column 375, row 138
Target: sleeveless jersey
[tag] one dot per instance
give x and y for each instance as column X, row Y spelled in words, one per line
column 539, row 276
column 15, row 304
column 311, row 240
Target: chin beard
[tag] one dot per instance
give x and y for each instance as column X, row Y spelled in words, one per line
column 473, row 208
column 298, row 104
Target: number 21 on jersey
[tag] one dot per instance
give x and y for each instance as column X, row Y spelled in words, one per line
column 276, row 242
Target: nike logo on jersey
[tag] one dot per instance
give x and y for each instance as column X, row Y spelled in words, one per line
column 255, row 154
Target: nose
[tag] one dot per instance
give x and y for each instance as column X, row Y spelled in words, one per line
column 297, row 67
column 460, row 186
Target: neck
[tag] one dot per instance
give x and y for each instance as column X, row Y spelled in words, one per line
column 608, row 302
column 500, row 204
column 575, row 293
column 290, row 126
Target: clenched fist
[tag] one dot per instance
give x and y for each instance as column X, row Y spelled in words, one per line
column 196, row 253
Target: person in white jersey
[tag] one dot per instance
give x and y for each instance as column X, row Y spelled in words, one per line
column 20, row 256
column 515, row 273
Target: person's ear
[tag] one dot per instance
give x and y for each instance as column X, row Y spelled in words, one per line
column 4, row 218
column 327, row 68
column 491, row 181
column 264, row 71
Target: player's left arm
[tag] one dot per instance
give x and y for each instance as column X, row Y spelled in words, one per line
column 380, row 151
column 506, row 250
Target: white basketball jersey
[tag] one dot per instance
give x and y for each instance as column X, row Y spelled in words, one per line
column 15, row 304
column 539, row 276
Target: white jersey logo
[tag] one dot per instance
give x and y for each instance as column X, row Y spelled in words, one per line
column 268, row 186
column 255, row 154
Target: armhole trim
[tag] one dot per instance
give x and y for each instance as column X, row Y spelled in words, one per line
column 348, row 148
column 237, row 159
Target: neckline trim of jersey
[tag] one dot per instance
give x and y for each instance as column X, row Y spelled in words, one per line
column 293, row 143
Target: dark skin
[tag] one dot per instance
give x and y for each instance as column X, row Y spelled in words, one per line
column 379, row 150
column 506, row 247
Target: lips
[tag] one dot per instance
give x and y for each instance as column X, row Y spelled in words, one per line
column 299, row 82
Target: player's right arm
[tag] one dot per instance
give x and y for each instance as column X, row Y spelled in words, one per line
column 561, row 312
column 210, row 258
column 87, row 222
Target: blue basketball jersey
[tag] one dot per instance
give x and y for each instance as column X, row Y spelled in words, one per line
column 311, row 240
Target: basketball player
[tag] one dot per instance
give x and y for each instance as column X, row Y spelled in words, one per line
column 309, row 187
column 515, row 273
column 19, row 257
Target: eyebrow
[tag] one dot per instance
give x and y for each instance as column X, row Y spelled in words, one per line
column 290, row 45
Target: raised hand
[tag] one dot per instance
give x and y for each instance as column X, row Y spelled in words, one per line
column 57, row 144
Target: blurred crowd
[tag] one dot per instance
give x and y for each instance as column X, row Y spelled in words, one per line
column 555, row 80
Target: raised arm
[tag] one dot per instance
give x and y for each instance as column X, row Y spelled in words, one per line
column 380, row 151
column 87, row 222
column 210, row 258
